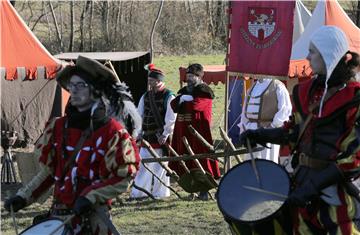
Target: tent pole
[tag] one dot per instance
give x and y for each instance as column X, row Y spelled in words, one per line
column 227, row 159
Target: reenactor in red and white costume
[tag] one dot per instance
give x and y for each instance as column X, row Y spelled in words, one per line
column 324, row 136
column 87, row 155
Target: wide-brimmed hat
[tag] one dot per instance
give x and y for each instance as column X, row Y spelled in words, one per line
column 92, row 71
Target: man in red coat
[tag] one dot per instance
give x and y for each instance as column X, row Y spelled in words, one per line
column 193, row 105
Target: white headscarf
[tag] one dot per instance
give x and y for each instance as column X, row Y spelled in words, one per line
column 332, row 44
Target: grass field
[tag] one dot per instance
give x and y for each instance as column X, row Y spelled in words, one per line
column 170, row 216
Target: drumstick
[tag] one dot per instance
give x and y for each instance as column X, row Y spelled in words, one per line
column 253, row 160
column 283, row 196
column 61, row 225
column 12, row 215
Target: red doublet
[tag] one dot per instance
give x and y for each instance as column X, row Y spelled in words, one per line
column 90, row 170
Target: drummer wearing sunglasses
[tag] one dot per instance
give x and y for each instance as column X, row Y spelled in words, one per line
column 324, row 134
column 87, row 154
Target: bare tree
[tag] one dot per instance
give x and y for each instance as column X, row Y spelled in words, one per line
column 90, row 26
column 56, row 26
column 105, row 21
column 82, row 18
column 72, row 22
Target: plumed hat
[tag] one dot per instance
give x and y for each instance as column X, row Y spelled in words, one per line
column 154, row 72
column 92, row 71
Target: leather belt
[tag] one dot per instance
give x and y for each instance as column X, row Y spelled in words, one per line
column 60, row 210
column 305, row 160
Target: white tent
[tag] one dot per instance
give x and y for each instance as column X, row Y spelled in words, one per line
column 326, row 13
column 301, row 18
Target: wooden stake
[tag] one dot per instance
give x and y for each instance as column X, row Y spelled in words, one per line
column 155, row 155
column 182, row 163
column 200, row 156
column 229, row 143
column 187, row 145
column 201, row 138
column 158, row 178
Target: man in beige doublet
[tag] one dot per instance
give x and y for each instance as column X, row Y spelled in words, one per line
column 266, row 105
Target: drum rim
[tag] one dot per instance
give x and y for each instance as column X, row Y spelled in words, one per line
column 33, row 225
column 259, row 220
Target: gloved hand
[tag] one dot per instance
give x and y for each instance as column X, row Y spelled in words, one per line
column 82, row 206
column 253, row 137
column 186, row 98
column 315, row 184
column 262, row 136
column 16, row 202
column 302, row 195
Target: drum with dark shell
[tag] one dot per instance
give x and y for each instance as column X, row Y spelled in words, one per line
column 249, row 205
column 47, row 227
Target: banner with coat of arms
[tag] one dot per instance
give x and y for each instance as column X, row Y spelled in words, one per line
column 260, row 37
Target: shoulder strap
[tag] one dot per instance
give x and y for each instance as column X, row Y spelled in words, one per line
column 85, row 134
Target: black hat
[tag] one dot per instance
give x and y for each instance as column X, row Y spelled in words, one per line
column 92, row 71
column 154, row 72
column 196, row 69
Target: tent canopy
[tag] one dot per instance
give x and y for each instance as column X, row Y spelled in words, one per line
column 129, row 66
column 27, row 99
column 327, row 12
column 22, row 54
column 102, row 56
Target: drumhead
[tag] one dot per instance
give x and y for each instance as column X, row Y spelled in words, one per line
column 248, row 206
column 45, row 227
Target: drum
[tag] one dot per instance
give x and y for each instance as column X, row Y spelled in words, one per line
column 249, row 205
column 46, row 227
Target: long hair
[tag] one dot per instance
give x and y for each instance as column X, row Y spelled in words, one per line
column 345, row 69
column 123, row 109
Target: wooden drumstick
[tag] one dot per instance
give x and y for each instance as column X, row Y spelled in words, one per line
column 12, row 214
column 61, row 225
column 253, row 163
column 187, row 145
